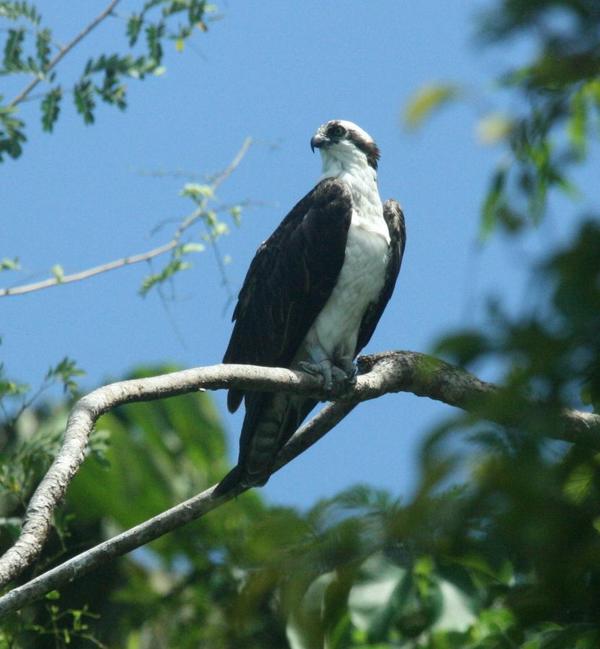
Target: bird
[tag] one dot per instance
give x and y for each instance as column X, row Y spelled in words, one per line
column 314, row 293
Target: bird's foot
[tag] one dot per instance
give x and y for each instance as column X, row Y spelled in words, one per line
column 324, row 369
column 336, row 380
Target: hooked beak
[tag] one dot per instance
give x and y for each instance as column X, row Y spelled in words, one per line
column 318, row 140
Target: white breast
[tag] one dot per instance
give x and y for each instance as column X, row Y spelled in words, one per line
column 360, row 283
column 362, row 276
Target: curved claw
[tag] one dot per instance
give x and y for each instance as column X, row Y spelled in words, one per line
column 322, row 369
column 336, row 380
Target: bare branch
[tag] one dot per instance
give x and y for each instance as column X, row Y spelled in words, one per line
column 387, row 372
column 134, row 259
column 90, row 272
column 221, row 177
column 63, row 52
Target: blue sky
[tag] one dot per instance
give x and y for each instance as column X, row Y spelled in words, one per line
column 274, row 71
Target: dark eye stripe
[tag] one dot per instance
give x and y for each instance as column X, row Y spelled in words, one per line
column 337, row 130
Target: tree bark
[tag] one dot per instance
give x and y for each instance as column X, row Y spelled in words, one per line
column 400, row 371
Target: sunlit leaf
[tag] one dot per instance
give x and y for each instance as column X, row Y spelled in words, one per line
column 493, row 128
column 427, row 100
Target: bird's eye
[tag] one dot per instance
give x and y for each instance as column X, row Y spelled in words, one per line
column 337, row 131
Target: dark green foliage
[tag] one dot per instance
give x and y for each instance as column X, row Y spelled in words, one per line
column 498, row 547
column 509, row 559
column 178, row 592
column 13, row 49
column 51, row 108
column 19, row 10
column 561, row 90
column 103, row 77
column 83, row 93
column 42, row 47
column 558, row 95
column 12, row 136
column 9, row 264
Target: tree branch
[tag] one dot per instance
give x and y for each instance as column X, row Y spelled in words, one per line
column 144, row 256
column 387, row 372
column 63, row 52
column 89, row 272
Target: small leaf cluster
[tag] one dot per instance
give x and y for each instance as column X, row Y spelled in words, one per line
column 558, row 93
column 61, row 628
column 560, row 88
column 27, row 449
column 29, row 49
column 205, row 214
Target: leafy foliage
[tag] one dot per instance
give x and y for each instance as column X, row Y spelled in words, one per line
column 559, row 95
column 29, row 49
column 206, row 214
column 151, row 457
column 498, row 546
column 428, row 99
column 9, row 264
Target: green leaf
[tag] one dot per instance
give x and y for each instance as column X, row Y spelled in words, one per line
column 9, row 264
column 236, row 214
column 18, row 10
column 197, row 191
column 51, row 108
column 371, row 593
column 577, row 124
column 427, row 100
column 65, row 372
column 493, row 200
column 58, row 272
column 579, row 483
column 154, row 34
column 464, row 347
column 11, row 133
column 134, row 27
column 191, row 247
column 175, row 266
column 84, row 100
column 12, row 388
column 494, row 128
column 13, row 49
column 42, row 47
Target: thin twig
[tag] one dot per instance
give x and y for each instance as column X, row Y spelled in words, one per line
column 233, row 165
column 90, row 272
column 63, row 52
column 144, row 256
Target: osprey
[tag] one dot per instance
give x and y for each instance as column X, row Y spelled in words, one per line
column 314, row 292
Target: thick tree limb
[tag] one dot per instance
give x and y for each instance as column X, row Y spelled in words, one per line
column 382, row 373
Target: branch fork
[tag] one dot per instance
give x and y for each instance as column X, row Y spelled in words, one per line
column 398, row 371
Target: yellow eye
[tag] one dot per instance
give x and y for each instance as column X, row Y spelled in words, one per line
column 337, row 131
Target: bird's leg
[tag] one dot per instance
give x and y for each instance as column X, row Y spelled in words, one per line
column 349, row 368
column 322, row 368
column 318, row 364
column 337, row 377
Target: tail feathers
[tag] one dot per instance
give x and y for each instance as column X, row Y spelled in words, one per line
column 269, row 423
column 239, row 477
column 231, row 480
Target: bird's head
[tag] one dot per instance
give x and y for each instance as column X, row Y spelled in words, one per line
column 342, row 142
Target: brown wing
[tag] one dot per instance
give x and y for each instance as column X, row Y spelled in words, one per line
column 289, row 281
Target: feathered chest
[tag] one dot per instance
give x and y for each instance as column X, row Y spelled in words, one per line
column 360, row 281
